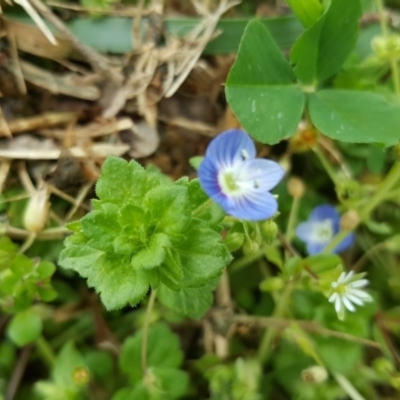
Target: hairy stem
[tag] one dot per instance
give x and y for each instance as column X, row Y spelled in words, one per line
column 45, row 351
column 146, row 327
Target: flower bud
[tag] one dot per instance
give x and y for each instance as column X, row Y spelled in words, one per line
column 314, row 374
column 250, row 247
column 386, row 48
column 234, row 241
column 269, row 230
column 383, row 366
column 349, row 220
column 37, row 211
column 296, row 187
column 81, row 376
column 273, row 284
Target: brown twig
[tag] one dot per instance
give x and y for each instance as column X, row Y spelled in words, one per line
column 97, row 61
column 309, row 326
column 18, row 372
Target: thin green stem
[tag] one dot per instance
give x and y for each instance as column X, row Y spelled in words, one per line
column 246, row 260
column 28, row 242
column 394, row 66
column 292, row 218
column 393, row 60
column 264, row 349
column 382, row 18
column 327, row 166
column 45, row 351
column 346, row 385
column 146, row 326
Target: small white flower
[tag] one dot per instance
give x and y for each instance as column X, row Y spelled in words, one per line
column 347, row 291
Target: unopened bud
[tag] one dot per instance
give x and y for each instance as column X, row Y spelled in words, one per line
column 349, row 220
column 296, row 187
column 250, row 247
column 383, row 366
column 81, row 376
column 314, row 374
column 273, row 284
column 37, row 211
column 269, row 230
column 386, row 48
column 234, row 241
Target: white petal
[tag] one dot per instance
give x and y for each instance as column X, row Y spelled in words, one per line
column 359, row 284
column 354, row 299
column 338, row 304
column 342, row 278
column 360, row 294
column 348, row 304
column 332, row 298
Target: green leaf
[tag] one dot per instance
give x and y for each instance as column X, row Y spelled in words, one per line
column 111, row 275
column 120, row 182
column 169, row 205
column 154, row 254
column 307, row 11
column 101, row 226
column 193, row 302
column 163, row 351
column 322, row 49
column 25, row 327
column 260, row 88
column 358, row 117
column 69, row 361
column 202, row 254
column 69, row 377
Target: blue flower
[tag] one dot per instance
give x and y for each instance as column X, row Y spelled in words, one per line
column 235, row 179
column 322, row 225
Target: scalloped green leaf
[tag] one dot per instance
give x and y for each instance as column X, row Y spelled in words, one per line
column 193, row 302
column 112, row 276
column 202, row 255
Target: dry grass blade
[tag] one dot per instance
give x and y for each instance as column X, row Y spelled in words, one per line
column 195, row 43
column 97, row 150
column 69, row 84
column 45, row 120
column 37, row 20
column 98, row 62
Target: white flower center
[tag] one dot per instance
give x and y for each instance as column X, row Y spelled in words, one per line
column 322, row 231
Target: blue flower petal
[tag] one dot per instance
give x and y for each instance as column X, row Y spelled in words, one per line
column 208, row 177
column 261, row 174
column 315, row 247
column 231, row 147
column 324, row 212
column 304, row 231
column 257, row 206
